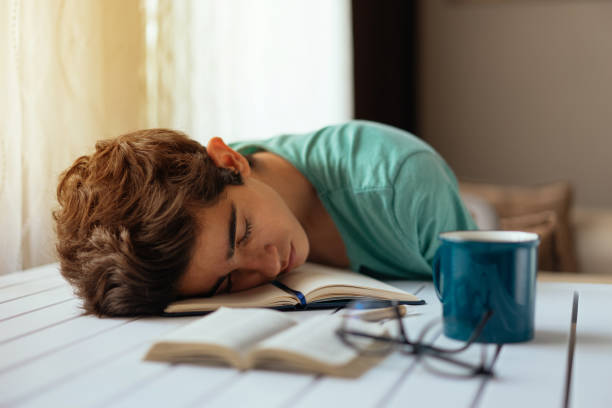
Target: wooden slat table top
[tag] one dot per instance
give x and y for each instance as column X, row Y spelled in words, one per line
column 52, row 355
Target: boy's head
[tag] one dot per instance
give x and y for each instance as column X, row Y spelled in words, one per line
column 153, row 215
column 127, row 222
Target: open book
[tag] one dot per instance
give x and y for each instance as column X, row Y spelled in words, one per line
column 310, row 286
column 262, row 338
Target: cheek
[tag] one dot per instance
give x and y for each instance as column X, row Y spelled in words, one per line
column 277, row 222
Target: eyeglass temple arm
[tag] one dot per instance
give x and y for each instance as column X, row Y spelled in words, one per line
column 485, row 318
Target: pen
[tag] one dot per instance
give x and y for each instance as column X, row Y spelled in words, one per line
column 374, row 315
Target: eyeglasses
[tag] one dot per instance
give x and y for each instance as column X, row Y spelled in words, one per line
column 357, row 332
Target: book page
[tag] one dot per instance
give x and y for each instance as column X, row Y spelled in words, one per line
column 315, row 281
column 315, row 342
column 262, row 296
column 235, row 329
column 318, row 282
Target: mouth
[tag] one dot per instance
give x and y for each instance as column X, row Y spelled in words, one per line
column 291, row 261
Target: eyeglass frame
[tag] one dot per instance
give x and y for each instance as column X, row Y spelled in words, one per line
column 419, row 348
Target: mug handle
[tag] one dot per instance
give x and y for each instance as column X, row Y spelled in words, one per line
column 436, row 274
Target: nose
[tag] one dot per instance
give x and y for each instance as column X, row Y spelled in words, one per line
column 271, row 261
column 265, row 263
column 257, row 267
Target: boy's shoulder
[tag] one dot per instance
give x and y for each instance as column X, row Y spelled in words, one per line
column 359, row 139
column 357, row 154
column 342, row 135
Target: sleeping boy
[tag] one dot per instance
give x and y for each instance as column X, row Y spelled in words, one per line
column 152, row 215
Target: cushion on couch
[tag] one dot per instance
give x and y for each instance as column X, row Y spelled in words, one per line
column 543, row 209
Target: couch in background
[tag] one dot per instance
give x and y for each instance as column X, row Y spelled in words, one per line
column 576, row 240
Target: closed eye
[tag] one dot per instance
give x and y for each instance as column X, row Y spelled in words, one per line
column 228, row 289
column 227, row 279
column 217, row 285
column 248, row 228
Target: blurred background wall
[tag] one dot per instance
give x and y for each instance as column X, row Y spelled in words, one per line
column 520, row 92
column 76, row 71
column 515, row 95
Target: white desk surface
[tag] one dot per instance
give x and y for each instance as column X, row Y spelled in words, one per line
column 53, row 356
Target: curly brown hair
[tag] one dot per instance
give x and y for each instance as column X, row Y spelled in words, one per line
column 127, row 225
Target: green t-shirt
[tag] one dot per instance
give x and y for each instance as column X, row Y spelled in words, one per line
column 388, row 193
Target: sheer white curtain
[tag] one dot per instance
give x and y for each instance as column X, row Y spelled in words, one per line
column 71, row 72
column 244, row 69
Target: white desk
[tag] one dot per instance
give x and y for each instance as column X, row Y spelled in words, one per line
column 51, row 355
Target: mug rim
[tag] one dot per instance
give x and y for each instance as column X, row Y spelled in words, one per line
column 490, row 236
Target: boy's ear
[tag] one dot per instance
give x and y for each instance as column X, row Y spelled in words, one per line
column 224, row 156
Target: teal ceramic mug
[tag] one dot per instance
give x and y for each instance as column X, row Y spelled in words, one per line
column 476, row 272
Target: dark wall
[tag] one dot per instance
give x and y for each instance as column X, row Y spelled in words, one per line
column 384, row 41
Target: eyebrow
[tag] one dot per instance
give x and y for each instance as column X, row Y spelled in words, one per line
column 232, row 233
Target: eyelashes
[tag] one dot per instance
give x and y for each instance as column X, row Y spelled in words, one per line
column 216, row 287
column 229, row 283
column 248, row 228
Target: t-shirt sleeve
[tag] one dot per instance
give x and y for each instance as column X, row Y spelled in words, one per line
column 427, row 202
